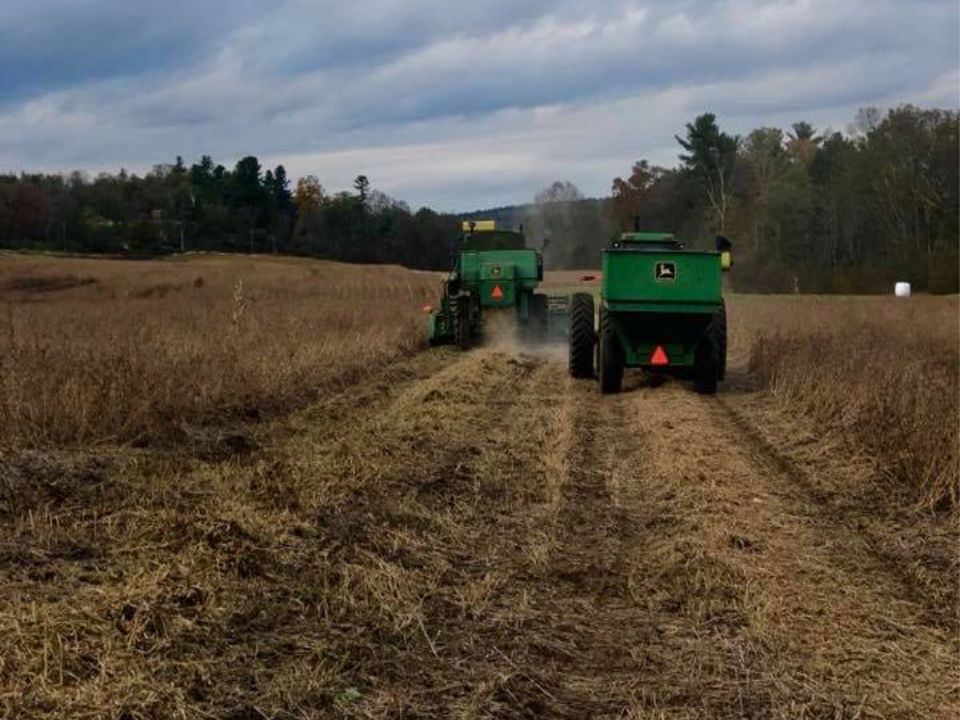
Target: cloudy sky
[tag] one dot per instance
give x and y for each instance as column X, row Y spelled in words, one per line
column 455, row 105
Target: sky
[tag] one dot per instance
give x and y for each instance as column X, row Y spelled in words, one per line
column 447, row 104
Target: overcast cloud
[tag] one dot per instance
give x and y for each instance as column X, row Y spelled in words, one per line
column 447, row 104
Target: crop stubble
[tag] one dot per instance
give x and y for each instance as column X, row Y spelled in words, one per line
column 477, row 535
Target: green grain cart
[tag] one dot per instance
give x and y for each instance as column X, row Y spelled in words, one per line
column 661, row 309
column 494, row 272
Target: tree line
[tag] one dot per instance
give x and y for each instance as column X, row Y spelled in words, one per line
column 206, row 207
column 808, row 211
column 815, row 212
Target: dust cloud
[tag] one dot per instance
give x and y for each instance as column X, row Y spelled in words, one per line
column 502, row 333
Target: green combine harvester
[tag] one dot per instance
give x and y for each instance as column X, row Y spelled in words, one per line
column 494, row 272
column 661, row 309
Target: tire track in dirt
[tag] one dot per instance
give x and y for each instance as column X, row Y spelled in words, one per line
column 574, row 658
column 628, row 556
column 339, row 411
column 197, row 587
column 510, row 550
column 426, row 513
column 774, row 625
column 476, row 535
column 846, row 520
column 697, row 661
column 626, row 614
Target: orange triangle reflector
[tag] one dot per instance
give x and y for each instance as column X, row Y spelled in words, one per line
column 659, row 356
column 496, row 292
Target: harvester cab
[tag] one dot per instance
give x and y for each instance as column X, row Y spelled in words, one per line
column 493, row 271
column 661, row 309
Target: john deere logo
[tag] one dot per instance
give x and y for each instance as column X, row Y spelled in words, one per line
column 665, row 271
column 495, row 271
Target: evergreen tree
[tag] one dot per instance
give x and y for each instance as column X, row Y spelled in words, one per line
column 710, row 159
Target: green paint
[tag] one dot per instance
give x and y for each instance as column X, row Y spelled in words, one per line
column 494, row 269
column 657, row 293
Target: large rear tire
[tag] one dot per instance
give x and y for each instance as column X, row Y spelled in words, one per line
column 720, row 328
column 611, row 356
column 582, row 335
column 538, row 317
column 432, row 339
column 461, row 323
column 706, row 367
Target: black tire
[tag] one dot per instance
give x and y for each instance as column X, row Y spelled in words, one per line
column 582, row 335
column 720, row 329
column 706, row 367
column 611, row 360
column 461, row 323
column 538, row 317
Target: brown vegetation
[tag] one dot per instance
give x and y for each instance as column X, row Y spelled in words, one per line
column 456, row 535
column 95, row 351
column 884, row 372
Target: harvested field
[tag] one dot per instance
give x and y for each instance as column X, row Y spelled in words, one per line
column 106, row 351
column 883, row 372
column 476, row 535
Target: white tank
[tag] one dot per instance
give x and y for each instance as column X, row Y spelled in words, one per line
column 902, row 289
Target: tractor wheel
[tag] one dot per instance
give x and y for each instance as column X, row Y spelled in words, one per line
column 611, row 356
column 582, row 336
column 538, row 317
column 719, row 325
column 706, row 366
column 461, row 323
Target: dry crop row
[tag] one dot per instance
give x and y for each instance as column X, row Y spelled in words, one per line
column 98, row 351
column 883, row 372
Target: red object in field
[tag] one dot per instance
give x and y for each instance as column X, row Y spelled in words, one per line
column 496, row 292
column 659, row 356
column 428, row 308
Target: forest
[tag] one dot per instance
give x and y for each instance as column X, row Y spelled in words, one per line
column 807, row 210
column 842, row 212
column 206, row 207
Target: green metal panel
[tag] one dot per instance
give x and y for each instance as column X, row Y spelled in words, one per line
column 661, row 307
column 654, row 236
column 678, row 334
column 681, row 277
column 497, row 293
column 523, row 262
column 499, row 276
column 660, row 297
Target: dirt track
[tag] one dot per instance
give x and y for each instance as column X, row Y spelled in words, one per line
column 536, row 550
column 474, row 536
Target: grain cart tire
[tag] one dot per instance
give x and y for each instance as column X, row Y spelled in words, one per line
column 706, row 366
column 461, row 323
column 611, row 362
column 538, row 317
column 582, row 336
column 432, row 338
column 720, row 328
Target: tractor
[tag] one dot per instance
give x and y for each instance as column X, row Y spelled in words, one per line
column 494, row 272
column 661, row 309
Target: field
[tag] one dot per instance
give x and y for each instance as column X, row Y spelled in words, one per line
column 244, row 488
column 105, row 351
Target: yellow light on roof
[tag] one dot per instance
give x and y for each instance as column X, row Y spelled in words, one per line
column 478, row 225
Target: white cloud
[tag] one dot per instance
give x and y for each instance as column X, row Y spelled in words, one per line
column 460, row 106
